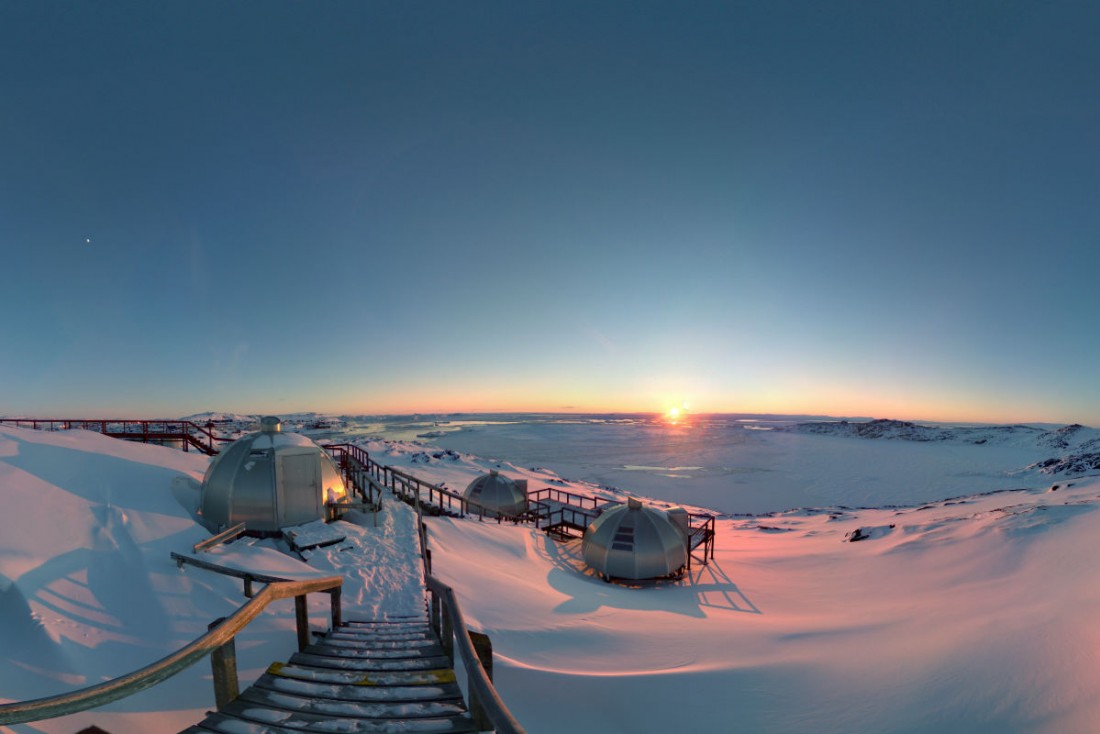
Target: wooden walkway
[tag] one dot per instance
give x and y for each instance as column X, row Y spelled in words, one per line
column 381, row 676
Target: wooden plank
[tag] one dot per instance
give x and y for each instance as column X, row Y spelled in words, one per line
column 222, row 724
column 449, row 692
column 330, row 662
column 340, row 702
column 301, row 721
column 377, row 644
column 331, row 651
column 436, row 676
column 395, row 656
column 223, row 537
column 344, row 633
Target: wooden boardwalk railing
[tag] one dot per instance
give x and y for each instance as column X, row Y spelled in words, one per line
column 550, row 509
column 432, row 498
column 218, row 640
column 486, row 706
column 355, row 465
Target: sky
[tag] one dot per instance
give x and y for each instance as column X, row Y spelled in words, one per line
column 884, row 209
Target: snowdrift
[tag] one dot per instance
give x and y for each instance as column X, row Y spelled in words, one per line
column 969, row 614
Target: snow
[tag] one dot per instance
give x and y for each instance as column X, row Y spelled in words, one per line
column 730, row 468
column 279, row 440
column 964, row 617
column 90, row 591
column 967, row 607
column 381, row 565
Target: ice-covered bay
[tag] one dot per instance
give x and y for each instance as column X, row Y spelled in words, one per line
column 734, row 467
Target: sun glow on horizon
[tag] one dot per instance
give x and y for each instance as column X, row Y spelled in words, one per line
column 675, row 415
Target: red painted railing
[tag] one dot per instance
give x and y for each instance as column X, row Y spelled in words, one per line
column 358, row 470
column 186, row 433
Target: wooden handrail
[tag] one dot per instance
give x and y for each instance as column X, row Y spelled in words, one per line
column 225, row 536
column 465, row 505
column 127, row 685
column 356, row 466
column 568, row 498
column 481, row 687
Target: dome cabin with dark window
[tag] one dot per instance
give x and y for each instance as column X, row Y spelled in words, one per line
column 636, row 542
column 498, row 495
column 269, row 480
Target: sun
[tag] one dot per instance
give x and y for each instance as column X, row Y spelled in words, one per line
column 675, row 415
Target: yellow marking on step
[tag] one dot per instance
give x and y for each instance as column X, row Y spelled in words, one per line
column 416, row 678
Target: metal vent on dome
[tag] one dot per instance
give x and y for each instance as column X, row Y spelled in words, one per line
column 271, row 424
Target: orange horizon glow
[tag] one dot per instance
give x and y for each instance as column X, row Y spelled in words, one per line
column 678, row 419
column 668, row 405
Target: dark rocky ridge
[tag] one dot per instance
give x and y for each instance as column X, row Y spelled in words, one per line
column 1077, row 446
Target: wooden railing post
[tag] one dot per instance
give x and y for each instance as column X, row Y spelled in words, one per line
column 301, row 616
column 446, row 631
column 484, row 648
column 223, row 664
column 335, row 602
column 435, row 614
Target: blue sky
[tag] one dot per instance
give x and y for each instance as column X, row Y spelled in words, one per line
column 882, row 209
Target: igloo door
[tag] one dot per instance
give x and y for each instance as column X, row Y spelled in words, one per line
column 299, row 488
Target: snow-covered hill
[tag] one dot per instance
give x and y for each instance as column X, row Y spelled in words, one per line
column 907, row 431
column 1074, row 449
column 969, row 614
column 88, row 590
column 961, row 615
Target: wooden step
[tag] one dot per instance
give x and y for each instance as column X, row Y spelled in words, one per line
column 434, row 676
column 315, row 660
column 264, row 721
column 389, row 676
column 444, row 692
column 368, row 642
column 412, row 623
column 337, row 651
column 340, row 702
column 343, row 633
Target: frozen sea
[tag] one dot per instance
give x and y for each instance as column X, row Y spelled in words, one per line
column 726, row 463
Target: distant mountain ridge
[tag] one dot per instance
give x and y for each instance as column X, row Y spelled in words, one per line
column 908, row 431
column 1078, row 446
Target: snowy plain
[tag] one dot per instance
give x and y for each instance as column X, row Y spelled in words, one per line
column 968, row 607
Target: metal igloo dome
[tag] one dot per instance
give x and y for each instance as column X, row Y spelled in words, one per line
column 498, row 494
column 633, row 541
column 269, row 480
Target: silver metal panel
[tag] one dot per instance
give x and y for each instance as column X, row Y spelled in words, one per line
column 633, row 541
column 250, row 493
column 252, row 482
column 298, row 479
column 679, row 517
column 498, row 493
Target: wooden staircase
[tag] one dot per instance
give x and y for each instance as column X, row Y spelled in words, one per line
column 378, row 676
